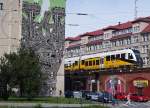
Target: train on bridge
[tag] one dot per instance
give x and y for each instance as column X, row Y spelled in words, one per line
column 126, row 58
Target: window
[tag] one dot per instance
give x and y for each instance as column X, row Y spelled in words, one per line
column 114, row 43
column 76, row 62
column 97, row 62
column 112, row 57
column 120, row 42
column 1, row 6
column 82, row 62
column 125, row 41
column 130, row 56
column 123, row 56
column 107, row 58
column 129, row 41
column 73, row 64
column 93, row 62
column 136, row 29
column 86, row 63
column 117, row 56
column 145, row 60
column 90, row 63
column 135, row 47
column 135, row 39
column 145, row 37
column 145, row 49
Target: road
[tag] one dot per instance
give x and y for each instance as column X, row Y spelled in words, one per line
column 120, row 104
column 133, row 105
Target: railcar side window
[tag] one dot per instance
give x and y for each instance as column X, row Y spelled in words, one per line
column 86, row 63
column 82, row 62
column 93, row 62
column 130, row 56
column 113, row 57
column 90, row 63
column 97, row 62
column 123, row 56
column 76, row 62
column 107, row 58
column 117, row 56
column 65, row 65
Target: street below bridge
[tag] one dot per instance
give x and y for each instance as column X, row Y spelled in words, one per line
column 122, row 104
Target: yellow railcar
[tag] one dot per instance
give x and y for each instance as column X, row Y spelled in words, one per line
column 113, row 59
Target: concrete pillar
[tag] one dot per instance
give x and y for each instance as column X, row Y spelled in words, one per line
column 60, row 80
column 98, row 87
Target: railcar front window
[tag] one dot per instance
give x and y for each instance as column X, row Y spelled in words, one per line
column 130, row 56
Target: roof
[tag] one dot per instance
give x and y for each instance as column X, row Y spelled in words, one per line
column 119, row 26
column 142, row 19
column 73, row 38
column 147, row 29
column 94, row 33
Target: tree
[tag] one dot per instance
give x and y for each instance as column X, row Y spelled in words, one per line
column 5, row 77
column 23, row 69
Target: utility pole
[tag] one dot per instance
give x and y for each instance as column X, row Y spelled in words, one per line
column 135, row 9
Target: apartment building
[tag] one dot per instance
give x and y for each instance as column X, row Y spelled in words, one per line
column 10, row 25
column 132, row 34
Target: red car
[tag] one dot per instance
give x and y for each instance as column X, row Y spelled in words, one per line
column 121, row 96
column 139, row 98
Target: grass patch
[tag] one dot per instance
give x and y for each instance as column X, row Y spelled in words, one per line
column 62, row 100
column 95, row 106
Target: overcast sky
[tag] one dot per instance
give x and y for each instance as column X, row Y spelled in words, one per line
column 101, row 13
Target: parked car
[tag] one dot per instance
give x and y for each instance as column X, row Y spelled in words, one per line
column 85, row 93
column 120, row 96
column 69, row 94
column 88, row 95
column 77, row 94
column 93, row 95
column 105, row 97
column 139, row 98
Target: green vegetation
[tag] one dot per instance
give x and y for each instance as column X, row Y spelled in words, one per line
column 50, row 100
column 38, row 106
column 20, row 70
column 95, row 106
column 56, row 100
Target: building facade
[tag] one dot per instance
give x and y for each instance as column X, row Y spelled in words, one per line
column 10, row 25
column 33, row 25
column 132, row 34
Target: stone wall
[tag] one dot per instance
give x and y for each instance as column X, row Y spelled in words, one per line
column 46, row 37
